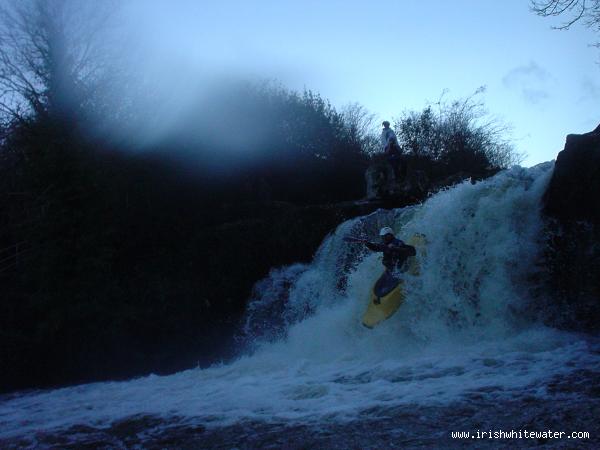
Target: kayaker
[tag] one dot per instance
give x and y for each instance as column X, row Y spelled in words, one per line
column 394, row 250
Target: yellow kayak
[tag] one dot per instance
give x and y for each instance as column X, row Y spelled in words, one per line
column 377, row 312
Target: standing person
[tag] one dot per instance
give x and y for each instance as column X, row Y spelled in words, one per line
column 389, row 141
column 387, row 136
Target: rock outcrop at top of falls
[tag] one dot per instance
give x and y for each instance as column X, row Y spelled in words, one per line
column 572, row 259
column 574, row 190
column 414, row 179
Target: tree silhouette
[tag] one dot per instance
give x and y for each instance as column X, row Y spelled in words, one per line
column 50, row 57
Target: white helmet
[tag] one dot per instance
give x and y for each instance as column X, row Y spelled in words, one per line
column 386, row 230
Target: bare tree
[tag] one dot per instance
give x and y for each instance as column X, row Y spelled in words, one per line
column 584, row 11
column 360, row 127
column 50, row 58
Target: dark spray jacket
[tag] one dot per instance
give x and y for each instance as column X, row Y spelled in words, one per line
column 394, row 254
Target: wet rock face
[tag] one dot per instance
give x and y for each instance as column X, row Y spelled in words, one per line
column 574, row 191
column 380, row 181
column 412, row 179
column 572, row 271
column 385, row 183
column 572, row 257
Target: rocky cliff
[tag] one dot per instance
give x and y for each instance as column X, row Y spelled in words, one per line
column 574, row 191
column 572, row 259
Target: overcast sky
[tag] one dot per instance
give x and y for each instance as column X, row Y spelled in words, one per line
column 392, row 56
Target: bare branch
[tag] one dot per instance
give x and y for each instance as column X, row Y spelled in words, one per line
column 588, row 10
column 49, row 53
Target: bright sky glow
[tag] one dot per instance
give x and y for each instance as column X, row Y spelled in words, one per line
column 394, row 56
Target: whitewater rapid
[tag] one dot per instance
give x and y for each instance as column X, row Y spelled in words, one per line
column 470, row 326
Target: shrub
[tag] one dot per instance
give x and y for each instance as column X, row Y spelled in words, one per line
column 460, row 135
